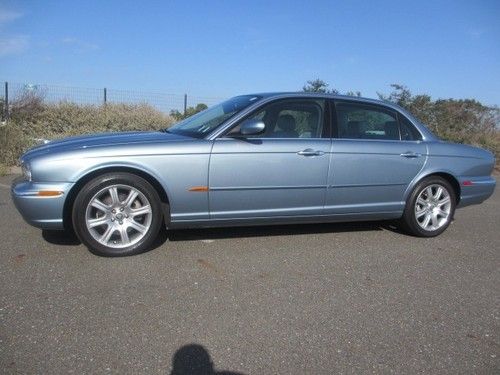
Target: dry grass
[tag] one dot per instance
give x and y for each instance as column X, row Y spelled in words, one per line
column 53, row 121
column 3, row 170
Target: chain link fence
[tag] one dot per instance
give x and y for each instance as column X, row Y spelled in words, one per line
column 164, row 102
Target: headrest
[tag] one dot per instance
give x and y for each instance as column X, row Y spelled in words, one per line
column 286, row 123
column 391, row 129
column 353, row 129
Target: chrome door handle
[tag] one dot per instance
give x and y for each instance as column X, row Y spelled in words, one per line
column 310, row 152
column 410, row 154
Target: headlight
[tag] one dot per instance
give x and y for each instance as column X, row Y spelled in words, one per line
column 26, row 169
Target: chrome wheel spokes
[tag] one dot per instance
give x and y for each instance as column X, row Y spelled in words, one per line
column 118, row 216
column 433, row 207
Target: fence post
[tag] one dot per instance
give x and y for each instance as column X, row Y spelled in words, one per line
column 6, row 100
column 105, row 96
column 185, row 103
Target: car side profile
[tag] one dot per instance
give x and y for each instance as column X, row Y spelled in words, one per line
column 254, row 159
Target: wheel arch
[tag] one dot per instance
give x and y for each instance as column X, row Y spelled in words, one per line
column 450, row 178
column 86, row 177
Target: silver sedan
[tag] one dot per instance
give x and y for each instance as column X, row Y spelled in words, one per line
column 254, row 159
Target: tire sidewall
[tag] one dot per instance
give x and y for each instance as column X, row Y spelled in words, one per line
column 87, row 193
column 409, row 218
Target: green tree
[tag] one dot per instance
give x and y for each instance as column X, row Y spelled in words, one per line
column 457, row 120
column 353, row 93
column 189, row 111
column 421, row 106
column 318, row 85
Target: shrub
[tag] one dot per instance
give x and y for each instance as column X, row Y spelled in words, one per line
column 190, row 111
column 456, row 120
column 32, row 119
column 13, row 143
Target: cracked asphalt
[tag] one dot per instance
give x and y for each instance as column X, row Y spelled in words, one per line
column 302, row 299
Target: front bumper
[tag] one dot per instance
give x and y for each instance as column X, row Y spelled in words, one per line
column 44, row 212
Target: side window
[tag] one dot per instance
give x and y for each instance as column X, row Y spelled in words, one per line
column 408, row 131
column 359, row 121
column 297, row 118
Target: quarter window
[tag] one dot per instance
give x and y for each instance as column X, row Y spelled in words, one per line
column 408, row 131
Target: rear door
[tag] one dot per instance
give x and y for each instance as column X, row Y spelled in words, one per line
column 376, row 153
column 281, row 172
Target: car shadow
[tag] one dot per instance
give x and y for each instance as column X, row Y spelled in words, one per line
column 279, row 230
column 68, row 238
column 60, row 237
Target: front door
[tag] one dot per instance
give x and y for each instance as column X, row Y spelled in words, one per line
column 281, row 172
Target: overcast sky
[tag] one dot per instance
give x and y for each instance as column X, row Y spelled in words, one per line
column 224, row 48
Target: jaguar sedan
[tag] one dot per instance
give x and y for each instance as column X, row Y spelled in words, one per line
column 252, row 160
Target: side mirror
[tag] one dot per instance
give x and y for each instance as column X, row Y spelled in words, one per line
column 252, row 127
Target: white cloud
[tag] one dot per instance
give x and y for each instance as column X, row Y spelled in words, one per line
column 79, row 45
column 68, row 40
column 9, row 15
column 12, row 45
column 475, row 33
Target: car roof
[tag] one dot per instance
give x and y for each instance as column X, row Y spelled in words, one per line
column 322, row 95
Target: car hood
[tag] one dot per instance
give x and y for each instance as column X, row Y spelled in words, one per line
column 102, row 140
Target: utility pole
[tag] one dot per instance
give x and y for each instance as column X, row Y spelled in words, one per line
column 6, row 99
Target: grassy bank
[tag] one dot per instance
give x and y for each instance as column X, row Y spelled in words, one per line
column 52, row 121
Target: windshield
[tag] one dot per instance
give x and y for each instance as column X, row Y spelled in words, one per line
column 208, row 120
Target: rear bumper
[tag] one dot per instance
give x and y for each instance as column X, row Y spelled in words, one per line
column 481, row 189
column 44, row 212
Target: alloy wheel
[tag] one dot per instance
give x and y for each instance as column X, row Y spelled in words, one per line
column 118, row 216
column 433, row 207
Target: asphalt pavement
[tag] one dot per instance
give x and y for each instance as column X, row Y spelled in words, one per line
column 302, row 299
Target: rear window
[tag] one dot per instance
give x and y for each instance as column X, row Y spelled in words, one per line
column 359, row 121
column 367, row 121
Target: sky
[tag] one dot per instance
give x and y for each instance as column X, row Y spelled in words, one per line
column 225, row 48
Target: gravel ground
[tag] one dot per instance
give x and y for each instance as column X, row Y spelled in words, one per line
column 315, row 299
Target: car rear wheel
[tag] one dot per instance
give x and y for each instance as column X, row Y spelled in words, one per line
column 430, row 207
column 117, row 214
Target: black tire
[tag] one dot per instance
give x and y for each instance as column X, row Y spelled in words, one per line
column 409, row 220
column 149, row 223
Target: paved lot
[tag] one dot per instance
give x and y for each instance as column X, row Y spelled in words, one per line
column 355, row 298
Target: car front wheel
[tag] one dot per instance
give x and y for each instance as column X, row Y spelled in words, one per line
column 430, row 207
column 117, row 214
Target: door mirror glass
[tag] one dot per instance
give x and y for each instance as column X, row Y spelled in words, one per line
column 252, row 127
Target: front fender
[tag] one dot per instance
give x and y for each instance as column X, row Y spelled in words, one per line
column 176, row 174
column 110, row 165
